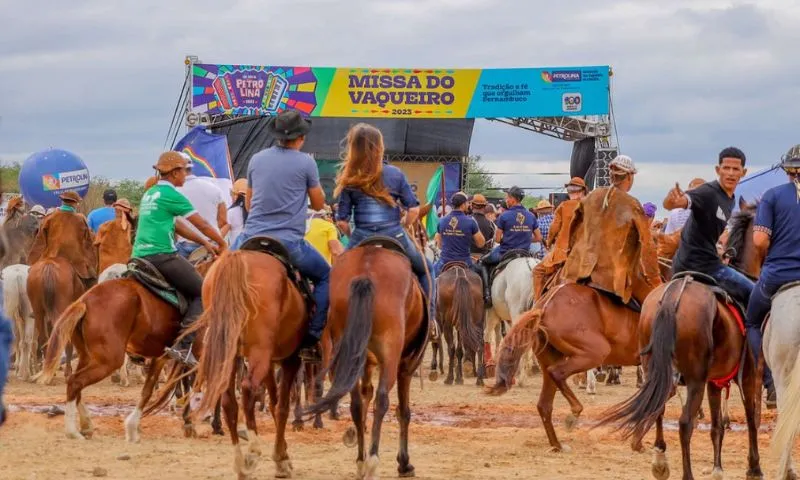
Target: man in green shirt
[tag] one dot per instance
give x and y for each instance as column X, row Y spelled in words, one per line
column 161, row 215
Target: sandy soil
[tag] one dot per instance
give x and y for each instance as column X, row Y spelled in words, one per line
column 457, row 432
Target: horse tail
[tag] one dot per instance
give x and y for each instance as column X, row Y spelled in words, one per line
column 461, row 314
column 351, row 355
column 522, row 336
column 63, row 329
column 231, row 307
column 49, row 289
column 15, row 298
column 637, row 414
column 788, row 423
column 165, row 393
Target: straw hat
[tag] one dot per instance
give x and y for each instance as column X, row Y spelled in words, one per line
column 123, row 203
column 240, row 187
column 543, row 205
column 170, row 161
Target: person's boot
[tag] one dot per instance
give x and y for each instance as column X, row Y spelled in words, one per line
column 309, row 350
column 772, row 397
column 487, row 289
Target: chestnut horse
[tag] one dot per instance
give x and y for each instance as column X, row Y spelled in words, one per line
column 376, row 319
column 112, row 318
column 461, row 309
column 572, row 329
column 253, row 311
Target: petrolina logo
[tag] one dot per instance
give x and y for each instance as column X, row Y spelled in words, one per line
column 74, row 179
column 561, row 76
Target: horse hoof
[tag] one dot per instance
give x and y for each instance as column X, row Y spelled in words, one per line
column 600, row 377
column 448, row 381
column 242, row 435
column 490, row 370
column 571, row 421
column 189, row 431
column 563, row 448
column 469, row 369
column 459, row 381
column 479, row 382
column 75, row 436
column 349, row 437
column 408, row 472
column 726, row 423
column 318, row 423
column 87, row 434
column 717, row 474
column 115, row 378
column 297, row 426
column 433, row 376
column 660, row 467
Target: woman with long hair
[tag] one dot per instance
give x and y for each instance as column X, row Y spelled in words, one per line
column 373, row 192
column 237, row 212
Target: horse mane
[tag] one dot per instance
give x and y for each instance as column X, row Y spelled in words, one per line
column 14, row 209
column 739, row 224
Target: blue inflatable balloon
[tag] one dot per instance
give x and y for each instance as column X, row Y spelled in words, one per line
column 47, row 174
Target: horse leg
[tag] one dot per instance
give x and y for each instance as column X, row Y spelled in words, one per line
column 545, row 408
column 480, row 373
column 316, row 383
column 386, row 382
column 433, row 375
column 726, row 416
column 124, row 379
column 404, row 467
column 451, row 353
column 68, row 366
column 717, row 430
column 459, row 360
column 231, row 412
column 659, row 467
column 363, row 396
column 694, row 393
column 216, row 421
column 751, row 391
column 591, row 382
column 562, row 369
column 88, row 374
column 188, row 427
column 132, row 421
column 280, row 454
column 297, row 424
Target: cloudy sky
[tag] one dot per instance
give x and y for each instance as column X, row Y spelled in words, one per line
column 691, row 76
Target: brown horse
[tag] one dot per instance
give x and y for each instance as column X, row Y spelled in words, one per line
column 253, row 311
column 377, row 318
column 52, row 286
column 460, row 308
column 572, row 329
column 112, row 318
column 19, row 229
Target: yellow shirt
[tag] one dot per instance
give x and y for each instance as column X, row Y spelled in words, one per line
column 320, row 232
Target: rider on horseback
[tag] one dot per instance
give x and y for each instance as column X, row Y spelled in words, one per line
column 559, row 234
column 160, row 218
column 372, row 191
column 776, row 234
column 611, row 245
column 281, row 181
column 517, row 228
column 455, row 233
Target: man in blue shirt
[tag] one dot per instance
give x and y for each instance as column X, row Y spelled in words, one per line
column 456, row 232
column 281, row 182
column 776, row 234
column 517, row 228
column 101, row 215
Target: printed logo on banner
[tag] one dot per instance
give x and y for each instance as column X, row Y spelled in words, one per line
column 62, row 180
column 571, row 102
column 561, row 76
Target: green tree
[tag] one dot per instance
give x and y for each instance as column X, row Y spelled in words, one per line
column 9, row 178
column 133, row 190
column 478, row 178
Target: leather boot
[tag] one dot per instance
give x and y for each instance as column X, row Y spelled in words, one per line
column 539, row 279
column 487, row 289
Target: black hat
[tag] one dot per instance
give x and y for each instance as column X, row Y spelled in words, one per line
column 458, row 199
column 110, row 196
column 516, row 192
column 288, row 125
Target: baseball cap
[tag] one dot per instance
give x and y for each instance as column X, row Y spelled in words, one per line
column 516, row 192
column 458, row 199
column 110, row 196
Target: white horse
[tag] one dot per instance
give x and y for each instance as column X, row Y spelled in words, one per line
column 17, row 307
column 781, row 347
column 512, row 295
column 113, row 272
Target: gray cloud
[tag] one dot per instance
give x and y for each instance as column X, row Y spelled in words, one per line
column 102, row 78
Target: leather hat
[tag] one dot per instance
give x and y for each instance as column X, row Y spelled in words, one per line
column 70, row 196
column 288, row 125
column 576, row 182
column 171, row 160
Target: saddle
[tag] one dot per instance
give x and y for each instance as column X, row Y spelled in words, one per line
column 200, row 255
column 507, row 258
column 145, row 273
column 633, row 304
column 452, row 265
column 384, row 242
column 275, row 249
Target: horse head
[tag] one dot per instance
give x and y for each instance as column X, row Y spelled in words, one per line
column 740, row 249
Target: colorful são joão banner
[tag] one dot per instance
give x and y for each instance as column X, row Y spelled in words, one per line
column 400, row 93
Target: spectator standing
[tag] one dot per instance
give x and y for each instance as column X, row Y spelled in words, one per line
column 101, row 215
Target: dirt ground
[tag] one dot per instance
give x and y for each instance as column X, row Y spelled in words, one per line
column 457, row 432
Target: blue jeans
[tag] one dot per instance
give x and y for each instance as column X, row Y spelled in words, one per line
column 418, row 260
column 735, row 283
column 493, row 258
column 757, row 309
column 312, row 266
column 6, row 339
column 186, row 248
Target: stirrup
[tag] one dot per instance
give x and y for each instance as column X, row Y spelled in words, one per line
column 184, row 356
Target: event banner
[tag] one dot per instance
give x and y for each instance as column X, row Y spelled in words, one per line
column 400, row 93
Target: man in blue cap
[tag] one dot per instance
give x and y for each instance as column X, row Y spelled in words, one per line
column 455, row 234
column 517, row 228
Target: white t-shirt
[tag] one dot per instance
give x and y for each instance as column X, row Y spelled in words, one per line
column 236, row 221
column 677, row 219
column 205, row 198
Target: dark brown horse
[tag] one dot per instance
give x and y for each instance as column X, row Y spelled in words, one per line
column 461, row 311
column 253, row 311
column 112, row 318
column 572, row 329
column 377, row 319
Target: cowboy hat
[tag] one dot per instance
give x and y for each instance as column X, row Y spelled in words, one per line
column 123, row 203
column 288, row 125
column 70, row 196
column 170, row 161
column 623, row 163
column 38, row 210
column 478, row 200
column 240, row 187
column 576, row 182
column 543, row 205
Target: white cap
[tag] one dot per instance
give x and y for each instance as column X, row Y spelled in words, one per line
column 623, row 163
column 38, row 209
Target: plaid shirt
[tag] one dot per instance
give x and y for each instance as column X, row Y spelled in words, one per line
column 544, row 226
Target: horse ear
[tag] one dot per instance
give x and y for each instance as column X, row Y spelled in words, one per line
column 425, row 209
column 742, row 204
